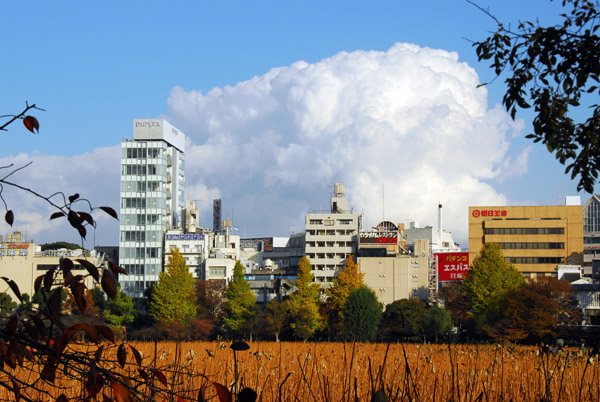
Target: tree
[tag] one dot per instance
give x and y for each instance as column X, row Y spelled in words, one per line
column 58, row 245
column 210, row 297
column 536, row 310
column 489, row 279
column 436, row 323
column 239, row 304
column 348, row 279
column 458, row 306
column 305, row 318
column 278, row 316
column 362, row 314
column 403, row 319
column 121, row 310
column 553, row 68
column 6, row 304
column 173, row 298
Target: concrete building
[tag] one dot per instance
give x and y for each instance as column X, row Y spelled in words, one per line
column 536, row 239
column 23, row 261
column 152, row 200
column 440, row 240
column 331, row 236
column 391, row 272
column 591, row 235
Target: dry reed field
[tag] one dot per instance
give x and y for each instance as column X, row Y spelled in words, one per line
column 350, row 372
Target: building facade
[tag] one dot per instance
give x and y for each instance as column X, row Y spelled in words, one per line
column 591, row 235
column 152, row 200
column 331, row 237
column 536, row 239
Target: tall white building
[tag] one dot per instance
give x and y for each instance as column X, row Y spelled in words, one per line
column 331, row 237
column 152, row 200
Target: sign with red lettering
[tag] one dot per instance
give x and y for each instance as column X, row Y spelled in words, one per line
column 489, row 213
column 452, row 266
column 379, row 237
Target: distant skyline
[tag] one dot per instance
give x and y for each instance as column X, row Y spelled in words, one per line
column 279, row 101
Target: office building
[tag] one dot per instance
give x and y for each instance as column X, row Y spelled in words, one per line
column 536, row 239
column 331, row 236
column 152, row 200
column 591, row 235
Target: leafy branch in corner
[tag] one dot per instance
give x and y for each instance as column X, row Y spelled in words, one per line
column 554, row 69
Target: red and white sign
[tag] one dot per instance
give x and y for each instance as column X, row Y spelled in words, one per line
column 452, row 266
column 489, row 213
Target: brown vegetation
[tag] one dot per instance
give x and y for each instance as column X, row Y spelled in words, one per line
column 343, row 372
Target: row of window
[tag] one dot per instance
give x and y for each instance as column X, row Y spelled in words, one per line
column 535, row 260
column 47, row 267
column 150, row 202
column 141, row 186
column 139, row 252
column 150, row 169
column 330, row 222
column 141, row 153
column 523, row 231
column 329, row 244
column 325, row 255
column 141, row 269
column 140, row 219
column 523, row 245
column 340, row 232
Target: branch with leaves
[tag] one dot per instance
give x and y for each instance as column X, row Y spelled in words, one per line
column 556, row 70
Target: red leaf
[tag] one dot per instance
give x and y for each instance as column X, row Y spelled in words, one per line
column 62, row 398
column 31, row 123
column 57, row 215
column 16, row 390
column 98, row 353
column 55, row 301
column 73, row 197
column 78, row 291
column 91, row 268
column 202, row 394
column 14, row 288
column 9, row 217
column 109, row 285
column 49, row 373
column 180, row 399
column 144, row 374
column 137, row 355
column 82, row 231
column 87, row 217
column 37, row 284
column 110, row 211
column 121, row 392
column 161, row 377
column 49, row 279
column 122, row 355
column 94, row 383
column 223, row 393
column 116, row 269
column 105, row 332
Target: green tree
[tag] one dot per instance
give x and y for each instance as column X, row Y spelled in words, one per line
column 403, row 319
column 173, row 298
column 120, row 311
column 348, row 279
column 6, row 304
column 239, row 304
column 305, row 318
column 489, row 279
column 436, row 323
column 362, row 314
column 553, row 68
column 60, row 244
column 277, row 316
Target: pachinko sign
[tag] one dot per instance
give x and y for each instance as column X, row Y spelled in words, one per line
column 452, row 266
column 14, row 250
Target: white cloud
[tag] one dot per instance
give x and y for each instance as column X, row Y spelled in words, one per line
column 411, row 119
column 94, row 176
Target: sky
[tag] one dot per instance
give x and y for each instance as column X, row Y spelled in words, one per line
column 279, row 101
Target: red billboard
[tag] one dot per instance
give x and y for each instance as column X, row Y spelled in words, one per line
column 452, row 266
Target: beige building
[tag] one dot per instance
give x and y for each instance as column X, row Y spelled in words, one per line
column 23, row 261
column 393, row 274
column 536, row 239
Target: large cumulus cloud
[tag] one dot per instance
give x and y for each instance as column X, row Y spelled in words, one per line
column 409, row 122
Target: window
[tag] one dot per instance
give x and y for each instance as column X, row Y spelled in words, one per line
column 316, row 221
column 216, row 271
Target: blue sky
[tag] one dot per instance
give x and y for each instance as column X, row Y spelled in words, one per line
column 96, row 66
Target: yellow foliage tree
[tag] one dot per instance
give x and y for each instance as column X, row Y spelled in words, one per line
column 348, row 279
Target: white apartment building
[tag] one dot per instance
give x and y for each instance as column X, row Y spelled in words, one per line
column 152, row 200
column 331, row 237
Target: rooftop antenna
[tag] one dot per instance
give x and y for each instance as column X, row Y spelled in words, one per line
column 383, row 203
